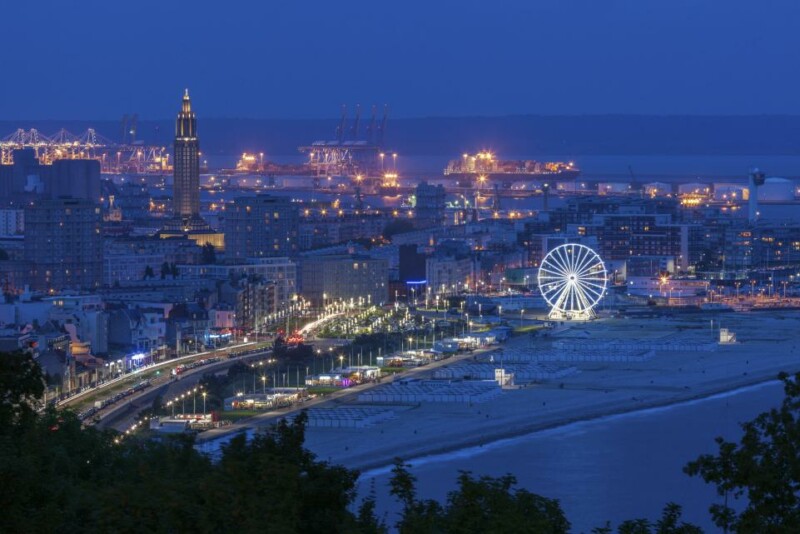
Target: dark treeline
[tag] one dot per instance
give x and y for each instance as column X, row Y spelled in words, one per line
column 517, row 135
column 58, row 476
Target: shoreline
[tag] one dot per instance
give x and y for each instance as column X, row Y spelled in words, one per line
column 601, row 388
column 377, row 468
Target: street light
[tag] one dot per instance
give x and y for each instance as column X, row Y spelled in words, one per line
column 204, row 403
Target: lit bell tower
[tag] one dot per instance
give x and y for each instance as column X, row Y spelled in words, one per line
column 186, row 219
column 186, row 166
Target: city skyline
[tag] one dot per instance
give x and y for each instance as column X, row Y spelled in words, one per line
column 537, row 311
column 304, row 62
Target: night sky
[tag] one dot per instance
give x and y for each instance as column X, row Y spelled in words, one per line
column 98, row 59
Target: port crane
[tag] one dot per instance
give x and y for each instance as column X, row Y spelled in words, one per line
column 130, row 156
column 349, row 154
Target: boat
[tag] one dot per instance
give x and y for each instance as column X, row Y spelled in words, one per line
column 486, row 167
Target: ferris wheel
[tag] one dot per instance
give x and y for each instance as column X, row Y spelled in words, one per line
column 572, row 279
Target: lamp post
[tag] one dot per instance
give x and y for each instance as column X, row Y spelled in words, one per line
column 204, row 403
column 264, row 383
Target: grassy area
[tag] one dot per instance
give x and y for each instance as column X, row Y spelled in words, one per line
column 238, row 415
column 323, row 390
column 392, row 370
column 526, row 329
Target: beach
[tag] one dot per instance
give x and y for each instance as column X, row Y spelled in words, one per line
column 767, row 343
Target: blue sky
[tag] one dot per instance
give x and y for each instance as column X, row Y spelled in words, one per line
column 93, row 59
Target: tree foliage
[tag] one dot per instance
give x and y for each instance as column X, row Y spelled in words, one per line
column 61, row 476
column 68, row 478
column 478, row 505
column 21, row 384
column 761, row 473
column 670, row 523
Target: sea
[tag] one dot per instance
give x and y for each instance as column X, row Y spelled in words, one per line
column 608, row 469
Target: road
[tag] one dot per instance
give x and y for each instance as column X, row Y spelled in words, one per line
column 121, row 415
column 74, row 399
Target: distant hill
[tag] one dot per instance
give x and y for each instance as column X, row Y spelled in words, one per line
column 512, row 135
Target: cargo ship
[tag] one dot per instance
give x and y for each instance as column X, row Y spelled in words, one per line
column 486, row 167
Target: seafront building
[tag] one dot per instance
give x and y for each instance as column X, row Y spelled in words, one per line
column 344, row 277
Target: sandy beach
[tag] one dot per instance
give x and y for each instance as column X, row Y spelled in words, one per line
column 767, row 343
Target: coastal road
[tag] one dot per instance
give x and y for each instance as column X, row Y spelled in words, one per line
column 77, row 398
column 121, row 415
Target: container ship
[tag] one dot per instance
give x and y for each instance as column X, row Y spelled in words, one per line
column 485, row 166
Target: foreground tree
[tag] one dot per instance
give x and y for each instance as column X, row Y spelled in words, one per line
column 21, row 385
column 670, row 523
column 479, row 505
column 69, row 478
column 761, row 473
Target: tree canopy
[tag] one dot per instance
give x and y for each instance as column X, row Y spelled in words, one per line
column 759, row 476
column 72, row 478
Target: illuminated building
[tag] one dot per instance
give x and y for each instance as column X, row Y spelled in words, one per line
column 186, row 219
column 345, row 277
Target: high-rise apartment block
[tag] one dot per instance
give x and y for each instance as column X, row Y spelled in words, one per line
column 64, row 244
column 261, row 226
